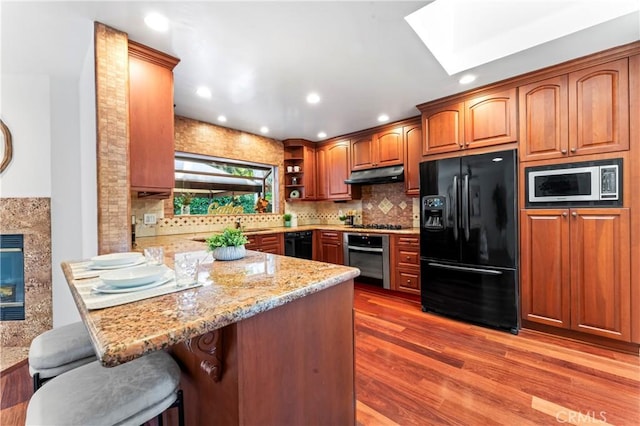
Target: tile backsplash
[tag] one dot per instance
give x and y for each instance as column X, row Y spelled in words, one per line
column 386, row 203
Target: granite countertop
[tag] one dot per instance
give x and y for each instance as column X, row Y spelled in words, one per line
column 232, row 291
column 181, row 241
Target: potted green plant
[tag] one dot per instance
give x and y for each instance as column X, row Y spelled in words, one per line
column 185, row 201
column 287, row 219
column 229, row 245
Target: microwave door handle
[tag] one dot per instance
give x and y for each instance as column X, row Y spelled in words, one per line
column 465, row 208
column 454, row 208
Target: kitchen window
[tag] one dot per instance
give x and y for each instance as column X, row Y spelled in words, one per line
column 212, row 185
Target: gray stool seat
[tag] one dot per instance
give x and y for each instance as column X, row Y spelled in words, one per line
column 131, row 393
column 59, row 350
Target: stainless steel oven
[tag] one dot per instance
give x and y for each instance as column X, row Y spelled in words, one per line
column 370, row 254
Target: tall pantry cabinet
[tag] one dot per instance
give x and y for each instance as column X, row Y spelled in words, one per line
column 576, row 271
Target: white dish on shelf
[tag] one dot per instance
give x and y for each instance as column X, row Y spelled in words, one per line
column 116, row 259
column 295, row 194
column 109, row 289
column 133, row 277
column 137, row 262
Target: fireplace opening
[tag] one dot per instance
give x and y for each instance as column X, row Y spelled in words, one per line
column 11, row 277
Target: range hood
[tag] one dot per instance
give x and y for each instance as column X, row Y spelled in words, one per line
column 381, row 175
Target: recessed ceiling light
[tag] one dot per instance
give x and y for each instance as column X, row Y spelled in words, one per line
column 466, row 79
column 264, row 129
column 157, row 22
column 203, row 92
column 322, row 135
column 383, row 117
column 222, row 119
column 313, row 98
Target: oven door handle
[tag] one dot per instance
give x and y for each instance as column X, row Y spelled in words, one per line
column 465, row 268
column 365, row 249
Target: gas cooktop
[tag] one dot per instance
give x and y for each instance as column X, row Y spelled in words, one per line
column 379, row 226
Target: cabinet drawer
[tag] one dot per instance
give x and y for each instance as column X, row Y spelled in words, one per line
column 270, row 240
column 331, row 235
column 407, row 280
column 412, row 241
column 408, row 257
column 252, row 242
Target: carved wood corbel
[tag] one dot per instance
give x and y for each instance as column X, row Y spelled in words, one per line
column 208, row 348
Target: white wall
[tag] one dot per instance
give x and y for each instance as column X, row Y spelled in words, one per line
column 25, row 109
column 52, row 120
column 73, row 177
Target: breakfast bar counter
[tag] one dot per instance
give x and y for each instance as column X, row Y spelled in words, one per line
column 266, row 339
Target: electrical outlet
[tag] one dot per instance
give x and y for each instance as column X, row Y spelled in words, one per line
column 149, row 219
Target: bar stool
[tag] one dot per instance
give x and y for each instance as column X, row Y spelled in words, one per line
column 131, row 393
column 59, row 350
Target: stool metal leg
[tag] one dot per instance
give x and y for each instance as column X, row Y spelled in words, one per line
column 178, row 403
column 36, row 382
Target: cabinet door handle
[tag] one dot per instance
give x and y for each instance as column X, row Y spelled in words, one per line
column 564, row 214
column 564, row 151
column 573, row 150
column 408, row 257
column 574, row 214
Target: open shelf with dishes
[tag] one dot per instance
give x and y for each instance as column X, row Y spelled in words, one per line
column 299, row 156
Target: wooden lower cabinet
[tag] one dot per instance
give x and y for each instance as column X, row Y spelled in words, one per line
column 330, row 247
column 405, row 263
column 267, row 243
column 575, row 270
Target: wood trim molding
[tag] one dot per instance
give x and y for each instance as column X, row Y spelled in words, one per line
column 154, row 56
column 208, row 348
column 541, row 74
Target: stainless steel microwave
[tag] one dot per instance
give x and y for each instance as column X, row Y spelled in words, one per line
column 590, row 183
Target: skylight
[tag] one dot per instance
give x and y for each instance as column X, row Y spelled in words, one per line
column 463, row 34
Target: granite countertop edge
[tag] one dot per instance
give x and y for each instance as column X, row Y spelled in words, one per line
column 116, row 346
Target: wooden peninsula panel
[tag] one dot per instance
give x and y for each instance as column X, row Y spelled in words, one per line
column 291, row 365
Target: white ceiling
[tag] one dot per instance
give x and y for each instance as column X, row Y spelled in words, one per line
column 261, row 59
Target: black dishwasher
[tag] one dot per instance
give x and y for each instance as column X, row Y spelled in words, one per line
column 298, row 244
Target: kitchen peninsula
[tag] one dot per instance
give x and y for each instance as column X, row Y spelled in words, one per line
column 266, row 339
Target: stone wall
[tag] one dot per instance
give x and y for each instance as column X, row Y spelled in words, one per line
column 30, row 217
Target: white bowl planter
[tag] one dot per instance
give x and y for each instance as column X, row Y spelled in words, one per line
column 229, row 253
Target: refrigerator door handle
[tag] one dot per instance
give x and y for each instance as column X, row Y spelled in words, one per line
column 465, row 208
column 465, row 268
column 454, row 206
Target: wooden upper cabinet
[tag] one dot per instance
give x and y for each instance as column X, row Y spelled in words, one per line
column 490, row 119
column 599, row 108
column 362, row 152
column 443, row 129
column 412, row 159
column 151, row 120
column 387, row 147
column 310, row 188
column 583, row 112
column 601, row 272
column 380, row 149
column 544, row 119
column 339, row 169
column 321, row 173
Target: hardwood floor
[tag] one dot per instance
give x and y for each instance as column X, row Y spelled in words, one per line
column 414, row 368
column 418, row 368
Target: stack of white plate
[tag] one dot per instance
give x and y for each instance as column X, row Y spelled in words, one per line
column 134, row 279
column 116, row 260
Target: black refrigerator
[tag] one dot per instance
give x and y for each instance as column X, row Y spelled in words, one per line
column 469, row 239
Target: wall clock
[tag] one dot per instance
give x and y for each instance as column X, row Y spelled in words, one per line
column 6, row 148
